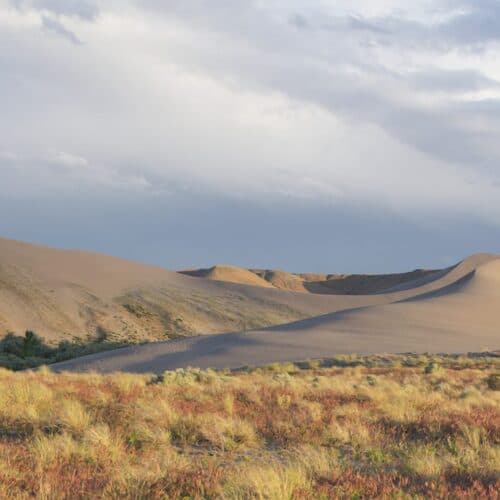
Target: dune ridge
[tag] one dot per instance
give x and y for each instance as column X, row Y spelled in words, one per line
column 335, row 284
column 457, row 312
column 71, row 294
column 231, row 274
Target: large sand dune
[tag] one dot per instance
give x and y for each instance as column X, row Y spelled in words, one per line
column 335, row 284
column 62, row 294
column 457, row 311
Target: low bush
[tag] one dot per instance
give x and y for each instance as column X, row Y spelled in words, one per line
column 30, row 351
column 493, row 381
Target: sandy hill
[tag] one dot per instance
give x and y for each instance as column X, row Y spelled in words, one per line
column 457, row 311
column 231, row 274
column 335, row 284
column 282, row 279
column 66, row 293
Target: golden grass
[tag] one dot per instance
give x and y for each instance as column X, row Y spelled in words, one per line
column 387, row 430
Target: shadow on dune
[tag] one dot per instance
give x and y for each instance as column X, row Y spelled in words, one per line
column 202, row 351
column 388, row 328
column 361, row 284
column 454, row 287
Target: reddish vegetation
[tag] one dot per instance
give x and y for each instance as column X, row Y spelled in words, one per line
column 278, row 432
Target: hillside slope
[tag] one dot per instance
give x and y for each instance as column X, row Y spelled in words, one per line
column 458, row 312
column 65, row 294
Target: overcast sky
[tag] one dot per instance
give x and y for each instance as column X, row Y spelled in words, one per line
column 319, row 135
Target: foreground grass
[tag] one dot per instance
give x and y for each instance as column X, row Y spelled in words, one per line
column 377, row 427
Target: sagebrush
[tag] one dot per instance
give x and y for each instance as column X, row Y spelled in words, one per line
column 388, row 430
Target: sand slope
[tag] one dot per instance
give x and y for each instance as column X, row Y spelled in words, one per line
column 231, row 274
column 458, row 311
column 63, row 294
column 336, row 284
column 281, row 279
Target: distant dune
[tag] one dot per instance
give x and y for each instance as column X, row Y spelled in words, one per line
column 282, row 279
column 337, row 284
column 455, row 311
column 231, row 274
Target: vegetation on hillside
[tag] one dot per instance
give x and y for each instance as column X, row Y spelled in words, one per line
column 393, row 427
column 30, row 351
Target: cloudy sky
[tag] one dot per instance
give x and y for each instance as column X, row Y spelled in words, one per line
column 349, row 135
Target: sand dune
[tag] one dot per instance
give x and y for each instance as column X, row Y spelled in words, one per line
column 282, row 279
column 456, row 312
column 231, row 274
column 335, row 284
column 63, row 294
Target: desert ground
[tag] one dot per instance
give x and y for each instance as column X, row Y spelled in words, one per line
column 378, row 427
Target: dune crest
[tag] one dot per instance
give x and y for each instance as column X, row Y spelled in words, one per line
column 456, row 312
column 231, row 274
column 324, row 284
column 67, row 294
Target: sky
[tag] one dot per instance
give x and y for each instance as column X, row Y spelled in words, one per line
column 334, row 136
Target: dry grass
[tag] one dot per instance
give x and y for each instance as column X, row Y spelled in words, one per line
column 377, row 427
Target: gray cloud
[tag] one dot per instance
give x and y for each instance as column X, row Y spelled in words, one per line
column 299, row 21
column 82, row 9
column 338, row 71
column 300, row 238
column 359, row 23
column 53, row 12
column 435, row 79
column 54, row 26
column 275, row 104
column 479, row 23
column 472, row 23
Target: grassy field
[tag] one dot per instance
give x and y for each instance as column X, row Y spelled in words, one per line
column 395, row 427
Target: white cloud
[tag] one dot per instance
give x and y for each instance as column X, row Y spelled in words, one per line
column 266, row 101
column 61, row 172
column 8, row 156
column 69, row 161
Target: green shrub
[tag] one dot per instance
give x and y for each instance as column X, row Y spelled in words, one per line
column 493, row 382
column 433, row 368
column 30, row 351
